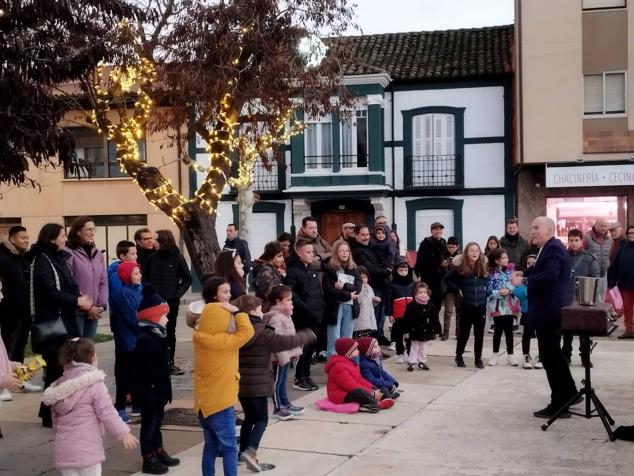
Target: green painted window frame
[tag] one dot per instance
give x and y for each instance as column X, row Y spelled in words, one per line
column 408, row 119
column 412, row 206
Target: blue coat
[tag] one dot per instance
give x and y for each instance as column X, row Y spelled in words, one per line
column 373, row 372
column 548, row 283
column 473, row 288
column 124, row 302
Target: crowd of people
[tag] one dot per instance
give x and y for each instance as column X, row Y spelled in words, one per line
column 303, row 301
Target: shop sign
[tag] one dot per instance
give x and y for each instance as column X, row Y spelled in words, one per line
column 590, row 176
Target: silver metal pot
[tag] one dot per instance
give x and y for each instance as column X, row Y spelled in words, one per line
column 588, row 290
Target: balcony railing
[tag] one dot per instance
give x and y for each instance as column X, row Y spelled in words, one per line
column 267, row 179
column 354, row 161
column 433, row 170
column 317, row 162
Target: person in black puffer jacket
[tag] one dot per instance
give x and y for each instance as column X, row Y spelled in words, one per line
column 621, row 274
column 308, row 305
column 365, row 256
column 167, row 271
column 469, row 279
column 256, row 382
column 400, row 287
column 55, row 294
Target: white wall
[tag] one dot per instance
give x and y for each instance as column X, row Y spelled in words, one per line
column 484, row 165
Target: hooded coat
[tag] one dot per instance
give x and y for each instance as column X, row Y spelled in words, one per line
column 216, row 373
column 514, row 247
column 152, row 378
column 400, row 287
column 283, row 325
column 344, row 376
column 265, row 276
column 81, row 410
column 124, row 302
column 384, row 249
column 168, row 272
column 365, row 256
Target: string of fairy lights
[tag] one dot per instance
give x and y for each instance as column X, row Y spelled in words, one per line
column 220, row 141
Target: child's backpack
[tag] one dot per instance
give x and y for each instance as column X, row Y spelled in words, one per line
column 399, row 305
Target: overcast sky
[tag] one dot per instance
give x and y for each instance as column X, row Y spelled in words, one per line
column 388, row 16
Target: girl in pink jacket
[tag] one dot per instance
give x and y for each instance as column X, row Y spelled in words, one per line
column 81, row 408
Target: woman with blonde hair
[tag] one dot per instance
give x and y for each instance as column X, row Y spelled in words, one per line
column 469, row 280
column 341, row 285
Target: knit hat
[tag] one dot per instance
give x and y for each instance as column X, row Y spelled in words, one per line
column 366, row 344
column 152, row 306
column 401, row 261
column 124, row 270
column 345, row 346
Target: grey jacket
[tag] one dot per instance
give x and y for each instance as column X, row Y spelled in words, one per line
column 583, row 264
column 601, row 251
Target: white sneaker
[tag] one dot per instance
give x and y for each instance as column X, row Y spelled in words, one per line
column 527, row 362
column 494, row 359
column 6, row 396
column 28, row 387
column 400, row 359
column 538, row 363
column 393, row 346
column 512, row 360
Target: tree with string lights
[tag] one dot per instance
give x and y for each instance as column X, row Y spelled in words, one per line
column 233, row 72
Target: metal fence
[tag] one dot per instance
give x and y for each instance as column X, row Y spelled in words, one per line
column 317, row 162
column 266, row 178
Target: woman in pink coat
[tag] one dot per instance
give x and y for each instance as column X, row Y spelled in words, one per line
column 81, row 408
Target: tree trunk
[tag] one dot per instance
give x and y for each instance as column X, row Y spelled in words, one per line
column 245, row 199
column 199, row 234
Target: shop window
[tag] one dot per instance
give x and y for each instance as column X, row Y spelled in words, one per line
column 112, row 229
column 581, row 212
column 604, row 94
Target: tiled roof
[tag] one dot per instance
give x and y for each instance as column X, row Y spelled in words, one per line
column 430, row 55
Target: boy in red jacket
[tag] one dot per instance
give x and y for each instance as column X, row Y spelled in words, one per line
column 345, row 383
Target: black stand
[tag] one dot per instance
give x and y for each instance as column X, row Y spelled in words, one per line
column 588, row 391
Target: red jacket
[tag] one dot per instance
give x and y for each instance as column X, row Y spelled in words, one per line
column 343, row 377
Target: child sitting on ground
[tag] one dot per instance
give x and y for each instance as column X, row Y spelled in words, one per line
column 216, row 342
column 372, row 370
column 345, row 383
column 422, row 324
column 280, row 301
column 365, row 324
column 256, row 384
column 81, row 408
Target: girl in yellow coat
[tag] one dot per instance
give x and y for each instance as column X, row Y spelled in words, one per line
column 216, row 377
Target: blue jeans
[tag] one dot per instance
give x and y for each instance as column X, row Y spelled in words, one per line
column 220, row 434
column 343, row 327
column 379, row 311
column 280, row 395
column 86, row 327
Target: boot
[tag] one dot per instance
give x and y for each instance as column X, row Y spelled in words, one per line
column 444, row 335
column 166, row 459
column 152, row 465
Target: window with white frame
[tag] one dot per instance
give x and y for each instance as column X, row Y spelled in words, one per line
column 354, row 140
column 318, row 143
column 604, row 93
column 601, row 4
column 434, row 147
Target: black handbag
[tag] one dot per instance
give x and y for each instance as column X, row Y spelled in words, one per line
column 47, row 330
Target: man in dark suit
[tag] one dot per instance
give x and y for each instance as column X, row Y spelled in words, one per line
column 548, row 283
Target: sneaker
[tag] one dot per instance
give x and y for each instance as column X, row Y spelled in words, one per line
column 176, row 370
column 517, row 330
column 512, row 361
column 550, row 411
column 293, row 410
column 250, row 459
column 312, row 384
column 5, row 396
column 153, row 465
column 386, row 403
column 166, row 459
column 393, row 346
column 493, row 361
column 423, row 366
column 410, row 368
column 479, row 364
column 528, row 364
column 491, row 330
column 135, row 412
column 460, row 361
column 369, row 408
column 302, row 385
column 400, row 359
column 538, row 363
column 282, row 414
column 124, row 416
column 28, row 387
